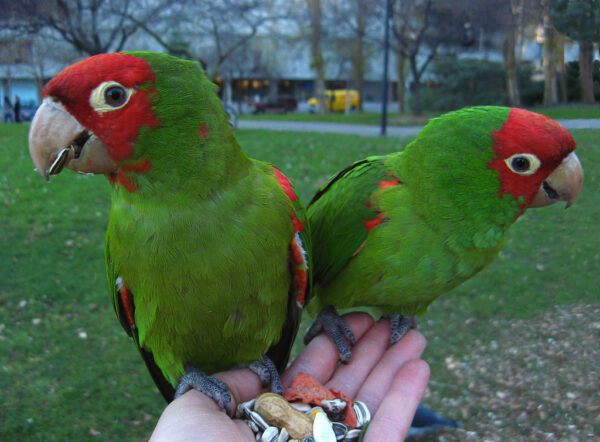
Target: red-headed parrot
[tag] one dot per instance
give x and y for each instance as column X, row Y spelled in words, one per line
column 206, row 249
column 397, row 231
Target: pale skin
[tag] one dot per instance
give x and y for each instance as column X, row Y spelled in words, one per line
column 391, row 381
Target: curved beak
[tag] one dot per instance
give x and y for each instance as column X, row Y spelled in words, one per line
column 56, row 140
column 564, row 184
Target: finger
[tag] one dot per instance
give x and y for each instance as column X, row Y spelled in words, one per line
column 320, row 357
column 394, row 416
column 243, row 385
column 374, row 389
column 194, row 413
column 365, row 355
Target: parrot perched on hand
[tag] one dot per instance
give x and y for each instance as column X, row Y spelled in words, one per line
column 397, row 231
column 207, row 250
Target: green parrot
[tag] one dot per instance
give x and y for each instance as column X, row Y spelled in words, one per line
column 207, row 250
column 397, row 231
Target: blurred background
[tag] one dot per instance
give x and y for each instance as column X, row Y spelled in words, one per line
column 443, row 54
column 514, row 352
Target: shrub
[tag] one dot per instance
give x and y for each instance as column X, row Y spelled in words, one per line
column 457, row 83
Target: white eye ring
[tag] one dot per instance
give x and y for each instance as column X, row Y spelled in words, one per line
column 98, row 97
column 523, row 163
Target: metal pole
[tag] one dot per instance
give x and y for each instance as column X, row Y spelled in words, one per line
column 386, row 47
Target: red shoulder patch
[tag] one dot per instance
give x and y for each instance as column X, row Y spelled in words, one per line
column 383, row 184
column 388, row 183
column 204, row 131
column 285, row 184
column 371, row 224
column 300, row 268
column 298, row 260
column 127, row 301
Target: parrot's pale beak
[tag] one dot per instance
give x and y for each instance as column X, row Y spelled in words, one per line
column 564, row 184
column 56, row 140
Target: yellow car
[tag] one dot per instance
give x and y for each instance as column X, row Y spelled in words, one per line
column 336, row 100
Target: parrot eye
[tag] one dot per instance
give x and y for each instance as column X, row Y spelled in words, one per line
column 115, row 96
column 109, row 96
column 523, row 163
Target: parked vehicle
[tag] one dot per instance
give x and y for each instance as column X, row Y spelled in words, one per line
column 232, row 115
column 336, row 100
column 276, row 103
column 27, row 112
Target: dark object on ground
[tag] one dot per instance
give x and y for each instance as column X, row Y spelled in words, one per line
column 27, row 112
column 17, row 109
column 276, row 103
column 426, row 421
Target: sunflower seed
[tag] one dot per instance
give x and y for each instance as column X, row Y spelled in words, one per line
column 258, row 420
column 283, row 435
column 270, row 435
column 340, row 430
column 333, row 406
column 301, row 406
column 362, row 413
column 352, row 435
column 59, row 162
column 244, row 409
column 252, row 426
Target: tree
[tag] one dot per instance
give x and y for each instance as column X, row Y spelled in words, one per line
column 202, row 30
column 552, row 49
column 352, row 18
column 206, row 31
column 318, row 62
column 90, row 27
column 580, row 21
column 420, row 28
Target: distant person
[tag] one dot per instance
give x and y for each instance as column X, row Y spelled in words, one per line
column 8, row 110
column 17, row 109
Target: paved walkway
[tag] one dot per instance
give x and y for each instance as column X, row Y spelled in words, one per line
column 372, row 130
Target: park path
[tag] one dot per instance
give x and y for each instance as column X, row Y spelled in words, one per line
column 373, row 130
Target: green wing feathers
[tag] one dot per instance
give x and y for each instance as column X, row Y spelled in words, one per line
column 338, row 213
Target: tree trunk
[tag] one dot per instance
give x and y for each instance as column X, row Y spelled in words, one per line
column 358, row 71
column 318, row 64
column 510, row 67
column 358, row 55
column 415, row 92
column 586, row 58
column 562, row 70
column 415, row 87
column 550, row 58
column 401, row 85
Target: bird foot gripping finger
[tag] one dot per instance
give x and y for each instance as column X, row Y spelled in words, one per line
column 212, row 387
column 400, row 326
column 336, row 328
column 267, row 372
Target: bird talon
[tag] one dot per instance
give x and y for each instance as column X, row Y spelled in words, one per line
column 336, row 328
column 212, row 387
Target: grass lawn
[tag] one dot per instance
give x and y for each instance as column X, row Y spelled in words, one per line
column 69, row 372
column 407, row 119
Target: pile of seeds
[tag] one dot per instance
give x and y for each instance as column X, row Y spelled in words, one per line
column 273, row 419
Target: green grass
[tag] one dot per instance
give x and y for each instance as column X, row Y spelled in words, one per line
column 407, row 119
column 69, row 372
column 570, row 111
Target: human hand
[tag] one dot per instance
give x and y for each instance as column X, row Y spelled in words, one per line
column 390, row 381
